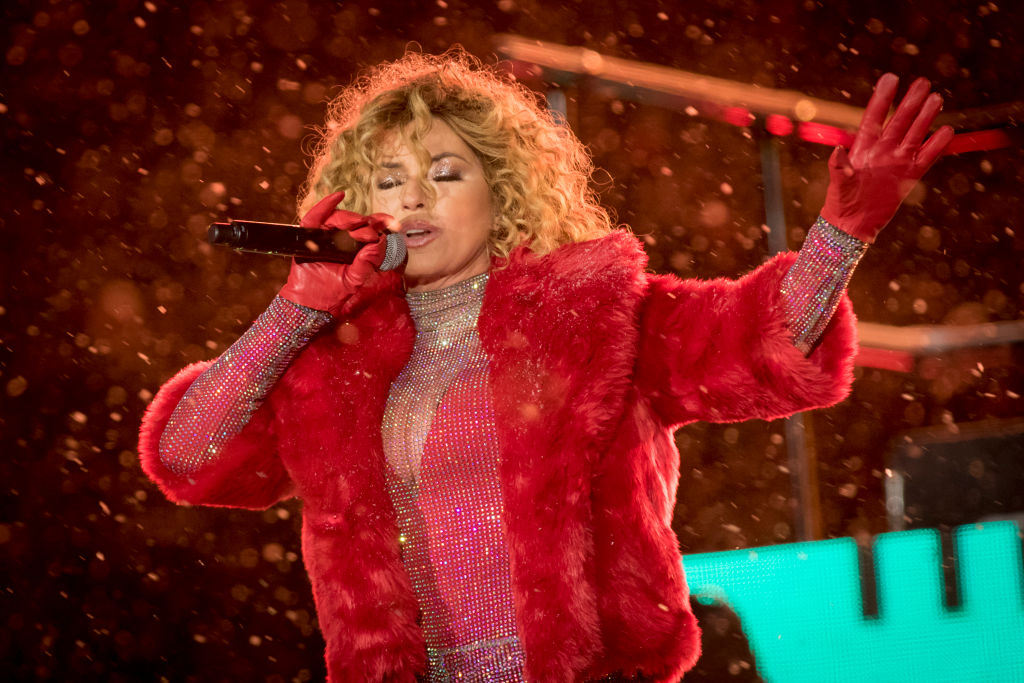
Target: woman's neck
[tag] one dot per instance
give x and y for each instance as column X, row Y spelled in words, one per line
column 454, row 305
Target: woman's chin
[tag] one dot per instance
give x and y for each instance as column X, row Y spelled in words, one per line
column 417, row 279
column 425, row 276
column 413, row 273
column 424, row 271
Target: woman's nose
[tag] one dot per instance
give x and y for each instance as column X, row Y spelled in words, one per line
column 413, row 195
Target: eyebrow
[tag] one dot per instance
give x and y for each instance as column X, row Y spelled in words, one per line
column 434, row 159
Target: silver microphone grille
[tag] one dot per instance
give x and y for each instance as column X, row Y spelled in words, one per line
column 394, row 254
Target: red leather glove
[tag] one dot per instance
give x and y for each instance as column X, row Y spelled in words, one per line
column 868, row 183
column 326, row 286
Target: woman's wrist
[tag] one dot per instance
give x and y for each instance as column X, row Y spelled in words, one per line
column 302, row 318
column 815, row 283
column 852, row 226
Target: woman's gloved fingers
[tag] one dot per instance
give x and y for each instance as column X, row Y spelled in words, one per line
column 348, row 220
column 840, row 160
column 345, row 220
column 364, row 234
column 874, row 115
column 316, row 216
column 932, row 150
column 929, row 110
column 366, row 263
column 373, row 254
column 383, row 222
column 906, row 112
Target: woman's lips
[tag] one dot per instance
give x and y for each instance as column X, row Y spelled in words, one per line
column 419, row 240
column 418, row 234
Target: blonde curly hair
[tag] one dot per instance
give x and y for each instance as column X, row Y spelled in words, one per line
column 537, row 170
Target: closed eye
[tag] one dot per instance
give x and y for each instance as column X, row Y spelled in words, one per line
column 391, row 182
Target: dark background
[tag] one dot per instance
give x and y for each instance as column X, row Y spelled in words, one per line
column 129, row 126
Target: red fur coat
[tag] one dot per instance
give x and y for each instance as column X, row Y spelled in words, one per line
column 593, row 364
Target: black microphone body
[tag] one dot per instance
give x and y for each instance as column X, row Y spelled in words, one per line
column 305, row 244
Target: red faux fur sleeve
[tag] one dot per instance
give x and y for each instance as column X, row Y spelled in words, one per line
column 247, row 474
column 720, row 351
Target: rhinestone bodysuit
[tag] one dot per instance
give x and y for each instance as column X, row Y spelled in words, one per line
column 441, row 446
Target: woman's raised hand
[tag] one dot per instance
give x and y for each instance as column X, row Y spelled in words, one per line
column 327, row 286
column 868, row 183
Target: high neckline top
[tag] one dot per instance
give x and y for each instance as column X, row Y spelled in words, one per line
column 456, row 306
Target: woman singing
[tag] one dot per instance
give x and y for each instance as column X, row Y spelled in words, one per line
column 483, row 440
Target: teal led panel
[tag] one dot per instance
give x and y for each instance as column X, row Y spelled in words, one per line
column 801, row 607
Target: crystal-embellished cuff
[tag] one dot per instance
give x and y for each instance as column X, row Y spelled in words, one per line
column 222, row 400
column 813, row 287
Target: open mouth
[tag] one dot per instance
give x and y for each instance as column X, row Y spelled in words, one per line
column 418, row 233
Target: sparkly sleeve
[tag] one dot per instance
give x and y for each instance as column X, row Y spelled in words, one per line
column 220, row 402
column 813, row 287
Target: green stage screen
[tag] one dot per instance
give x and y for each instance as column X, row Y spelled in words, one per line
column 802, row 608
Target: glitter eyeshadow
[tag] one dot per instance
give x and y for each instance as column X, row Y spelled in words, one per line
column 442, row 475
column 814, row 286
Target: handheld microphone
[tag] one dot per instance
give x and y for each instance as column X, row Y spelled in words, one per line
column 309, row 244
